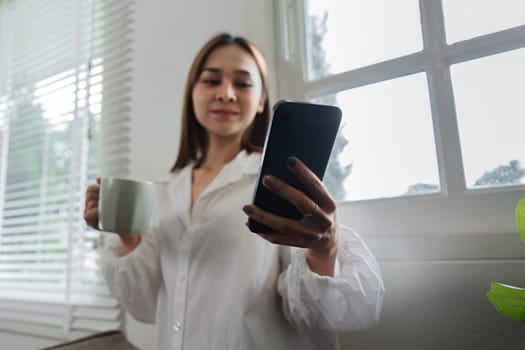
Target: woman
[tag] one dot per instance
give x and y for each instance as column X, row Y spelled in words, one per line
column 198, row 272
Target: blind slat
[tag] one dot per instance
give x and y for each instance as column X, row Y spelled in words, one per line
column 18, row 185
column 64, row 198
column 31, row 267
column 22, row 238
column 32, row 248
column 36, row 191
column 111, row 45
column 51, row 309
column 54, row 288
column 26, row 211
column 34, row 257
column 30, row 317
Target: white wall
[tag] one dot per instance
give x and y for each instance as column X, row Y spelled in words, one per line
column 435, row 285
column 435, row 305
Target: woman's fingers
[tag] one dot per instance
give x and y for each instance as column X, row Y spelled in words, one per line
column 316, row 229
column 285, row 225
column 93, row 189
column 92, row 193
column 91, row 206
column 302, row 202
column 91, row 217
column 310, row 209
column 293, row 240
column 316, row 190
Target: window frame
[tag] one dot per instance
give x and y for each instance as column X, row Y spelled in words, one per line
column 453, row 210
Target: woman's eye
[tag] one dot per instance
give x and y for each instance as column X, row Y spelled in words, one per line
column 211, row 81
column 243, row 84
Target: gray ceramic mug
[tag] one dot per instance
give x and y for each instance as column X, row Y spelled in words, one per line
column 124, row 205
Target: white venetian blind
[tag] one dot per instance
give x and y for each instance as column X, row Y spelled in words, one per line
column 65, row 71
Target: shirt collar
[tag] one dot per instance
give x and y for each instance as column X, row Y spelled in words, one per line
column 243, row 164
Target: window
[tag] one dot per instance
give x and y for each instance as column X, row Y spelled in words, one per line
column 430, row 140
column 491, row 133
column 64, row 92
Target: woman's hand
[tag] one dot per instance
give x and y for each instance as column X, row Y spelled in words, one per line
column 317, row 230
column 129, row 240
column 91, row 207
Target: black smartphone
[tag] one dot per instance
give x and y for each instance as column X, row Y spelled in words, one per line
column 303, row 130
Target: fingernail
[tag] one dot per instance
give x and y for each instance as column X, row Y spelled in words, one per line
column 247, row 210
column 268, row 180
column 291, row 162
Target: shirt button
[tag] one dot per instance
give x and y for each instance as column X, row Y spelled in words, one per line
column 177, row 326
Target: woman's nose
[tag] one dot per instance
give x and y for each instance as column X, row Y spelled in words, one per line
column 226, row 93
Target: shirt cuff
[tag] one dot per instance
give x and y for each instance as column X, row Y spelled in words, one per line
column 350, row 300
column 310, row 279
column 113, row 254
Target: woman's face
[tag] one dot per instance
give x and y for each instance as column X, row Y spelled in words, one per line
column 228, row 93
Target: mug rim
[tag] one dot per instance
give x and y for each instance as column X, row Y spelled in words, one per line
column 126, row 179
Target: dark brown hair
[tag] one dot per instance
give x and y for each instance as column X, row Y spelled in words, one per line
column 194, row 139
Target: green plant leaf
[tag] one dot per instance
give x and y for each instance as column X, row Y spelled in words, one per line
column 520, row 219
column 508, row 300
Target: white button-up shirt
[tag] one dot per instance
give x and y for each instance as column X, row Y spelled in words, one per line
column 209, row 283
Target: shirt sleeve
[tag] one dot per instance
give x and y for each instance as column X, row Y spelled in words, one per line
column 351, row 300
column 133, row 279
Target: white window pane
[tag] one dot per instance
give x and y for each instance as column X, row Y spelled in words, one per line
column 466, row 19
column 491, row 117
column 358, row 33
column 390, row 146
